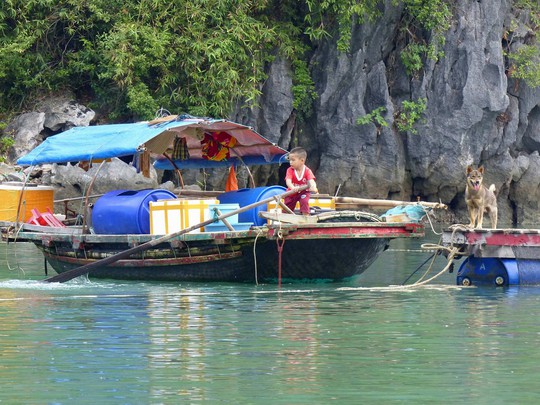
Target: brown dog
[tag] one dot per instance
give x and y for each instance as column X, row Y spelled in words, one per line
column 480, row 199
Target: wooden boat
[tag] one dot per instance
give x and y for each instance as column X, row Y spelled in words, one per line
column 324, row 250
column 496, row 257
column 331, row 245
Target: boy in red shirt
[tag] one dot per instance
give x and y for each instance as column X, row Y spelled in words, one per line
column 299, row 175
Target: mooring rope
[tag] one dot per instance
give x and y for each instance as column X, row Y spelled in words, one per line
column 18, row 226
column 431, row 223
column 279, row 239
column 419, row 267
column 259, row 233
column 452, row 252
column 18, row 266
column 432, row 248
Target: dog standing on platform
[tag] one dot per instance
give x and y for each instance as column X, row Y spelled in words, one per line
column 480, row 199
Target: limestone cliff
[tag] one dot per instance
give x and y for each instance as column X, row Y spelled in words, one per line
column 475, row 115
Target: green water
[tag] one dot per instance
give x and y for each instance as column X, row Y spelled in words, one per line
column 111, row 342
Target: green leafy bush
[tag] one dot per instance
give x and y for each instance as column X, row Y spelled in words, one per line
column 411, row 112
column 525, row 59
column 199, row 57
column 424, row 15
column 374, row 117
column 133, row 56
column 303, row 89
column 6, row 142
column 526, row 64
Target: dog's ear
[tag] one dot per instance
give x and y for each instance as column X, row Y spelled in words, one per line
column 469, row 169
column 481, row 169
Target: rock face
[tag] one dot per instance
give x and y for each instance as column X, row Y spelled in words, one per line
column 72, row 181
column 52, row 116
column 474, row 115
column 63, row 113
column 56, row 115
column 26, row 130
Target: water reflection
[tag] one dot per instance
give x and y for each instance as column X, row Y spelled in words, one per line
column 132, row 342
column 198, row 336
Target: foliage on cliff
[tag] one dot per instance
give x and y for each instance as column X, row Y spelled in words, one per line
column 130, row 58
column 524, row 59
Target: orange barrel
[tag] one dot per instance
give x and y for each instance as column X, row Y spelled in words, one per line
column 33, row 196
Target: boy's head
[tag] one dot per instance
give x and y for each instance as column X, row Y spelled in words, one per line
column 297, row 157
column 300, row 153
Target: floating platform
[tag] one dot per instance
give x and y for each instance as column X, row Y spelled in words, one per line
column 496, row 257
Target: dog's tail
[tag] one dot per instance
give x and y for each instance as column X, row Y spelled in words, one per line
column 492, row 188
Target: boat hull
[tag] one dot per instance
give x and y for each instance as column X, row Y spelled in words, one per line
column 332, row 247
column 301, row 260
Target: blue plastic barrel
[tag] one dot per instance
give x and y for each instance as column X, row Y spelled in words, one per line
column 246, row 196
column 499, row 271
column 125, row 211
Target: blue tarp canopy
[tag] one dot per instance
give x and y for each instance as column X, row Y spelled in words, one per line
column 157, row 137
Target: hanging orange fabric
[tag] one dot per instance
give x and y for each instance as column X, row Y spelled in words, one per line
column 232, row 182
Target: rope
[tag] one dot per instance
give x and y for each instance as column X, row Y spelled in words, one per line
column 245, row 167
column 21, row 202
column 18, row 266
column 83, row 209
column 433, row 257
column 452, row 252
column 19, row 226
column 418, row 268
column 405, row 250
column 431, row 223
column 17, row 230
column 437, row 248
column 259, row 233
column 460, row 228
column 280, row 251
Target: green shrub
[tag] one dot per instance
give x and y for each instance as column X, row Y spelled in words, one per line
column 374, row 117
column 525, row 60
column 433, row 16
column 526, row 64
column 6, row 142
column 303, row 89
column 411, row 112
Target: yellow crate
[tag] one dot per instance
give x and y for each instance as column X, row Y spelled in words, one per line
column 40, row 197
column 327, row 203
column 169, row 216
column 322, row 203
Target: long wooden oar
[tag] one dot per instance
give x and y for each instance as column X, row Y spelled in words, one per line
column 79, row 271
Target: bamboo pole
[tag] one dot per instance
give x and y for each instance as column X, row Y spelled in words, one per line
column 353, row 201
